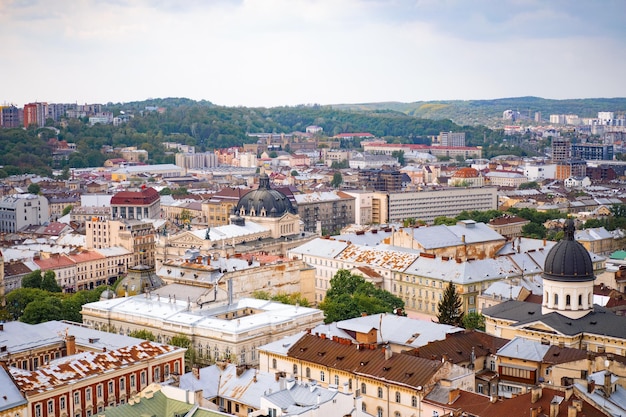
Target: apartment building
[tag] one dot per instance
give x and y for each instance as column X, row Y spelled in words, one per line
column 142, row 204
column 325, row 211
column 20, row 210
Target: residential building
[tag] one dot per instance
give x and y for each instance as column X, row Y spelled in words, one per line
column 220, row 206
column 137, row 237
column 35, row 114
column 592, row 151
column 325, row 212
column 9, row 117
column 380, row 180
column 20, row 210
column 231, row 330
column 505, row 178
column 363, row 205
column 561, row 149
column 196, row 160
column 389, row 384
column 536, row 172
column 466, row 177
column 450, row 139
column 570, row 168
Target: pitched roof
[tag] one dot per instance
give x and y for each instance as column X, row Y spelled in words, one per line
column 401, row 369
column 458, row 347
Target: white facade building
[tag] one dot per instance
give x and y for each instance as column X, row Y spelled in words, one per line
column 20, row 210
column 540, row 172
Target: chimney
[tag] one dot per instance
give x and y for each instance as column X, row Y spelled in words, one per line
column 568, row 393
column 554, row 409
column 578, row 404
column 591, row 386
column 70, row 345
column 572, row 411
column 453, row 395
column 388, row 352
column 607, row 384
column 1, row 327
column 535, row 394
column 534, row 412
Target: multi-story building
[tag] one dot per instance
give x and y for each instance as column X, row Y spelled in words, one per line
column 142, row 204
column 380, row 180
column 389, row 384
column 9, row 117
column 231, row 330
column 592, row 151
column 220, row 206
column 325, row 211
column 451, row 139
column 19, row 210
column 505, row 178
column 136, row 236
column 363, row 201
column 196, row 160
column 571, row 168
column 508, row 226
column 561, row 149
column 35, row 114
column 426, row 205
column 536, row 172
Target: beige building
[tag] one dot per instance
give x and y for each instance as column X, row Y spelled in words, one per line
column 389, row 384
column 218, row 331
column 133, row 235
column 508, row 226
column 326, row 212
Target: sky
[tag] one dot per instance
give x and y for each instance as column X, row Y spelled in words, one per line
column 290, row 52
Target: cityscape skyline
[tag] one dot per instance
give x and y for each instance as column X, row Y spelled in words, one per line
column 278, row 52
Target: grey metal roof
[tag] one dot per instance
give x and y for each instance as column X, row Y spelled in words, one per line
column 524, row 349
column 11, row 395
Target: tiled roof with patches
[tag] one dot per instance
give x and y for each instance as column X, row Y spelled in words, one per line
column 390, row 259
column 401, row 369
column 69, row 369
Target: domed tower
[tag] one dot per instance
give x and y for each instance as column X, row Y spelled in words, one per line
column 568, row 278
column 264, row 202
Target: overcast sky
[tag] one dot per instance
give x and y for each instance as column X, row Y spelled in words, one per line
column 289, row 52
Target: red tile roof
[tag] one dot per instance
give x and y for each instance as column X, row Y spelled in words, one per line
column 135, row 198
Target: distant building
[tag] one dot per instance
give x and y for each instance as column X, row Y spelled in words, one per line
column 380, row 180
column 20, row 210
column 142, row 204
column 325, row 211
column 595, row 152
column 35, row 114
column 451, row 139
column 196, row 160
column 508, row 226
column 561, row 149
column 9, row 117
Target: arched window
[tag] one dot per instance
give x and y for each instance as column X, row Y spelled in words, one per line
column 308, row 372
column 556, row 300
column 363, row 388
column 580, row 299
column 568, row 300
column 379, row 412
column 398, row 397
column 413, row 401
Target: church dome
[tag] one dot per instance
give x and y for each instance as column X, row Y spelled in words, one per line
column 264, row 202
column 568, row 260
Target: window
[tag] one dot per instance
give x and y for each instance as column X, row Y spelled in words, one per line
column 167, row 370
column 380, row 392
column 50, row 406
column 322, row 376
column 350, row 384
column 99, row 391
column 413, row 401
column 122, row 384
column 568, row 300
column 379, row 412
column 132, row 381
column 38, row 410
column 88, row 394
column 62, row 403
column 556, row 299
column 580, row 299
column 396, row 414
column 143, row 378
column 273, row 363
column 295, row 369
column 337, row 380
column 110, row 387
column 398, row 397
column 157, row 374
column 76, row 398
column 480, row 388
column 363, row 388
column 308, row 372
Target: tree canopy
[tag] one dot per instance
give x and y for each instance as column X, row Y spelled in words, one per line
column 350, row 296
column 450, row 307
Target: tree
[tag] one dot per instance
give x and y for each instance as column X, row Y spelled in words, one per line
column 448, row 221
column 34, row 188
column 32, row 280
column 183, row 341
column 18, row 300
column 529, row 185
column 474, row 320
column 399, row 155
column 143, row 334
column 350, row 296
column 67, row 210
column 42, row 310
column 165, row 191
column 49, row 282
column 337, row 179
column 180, row 191
column 534, row 230
column 450, row 307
